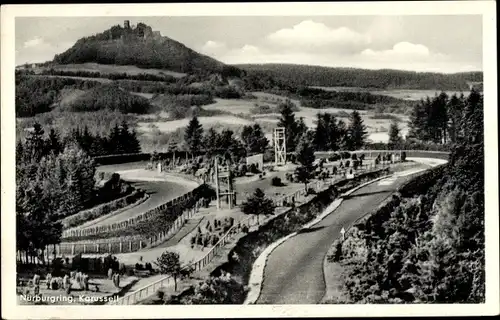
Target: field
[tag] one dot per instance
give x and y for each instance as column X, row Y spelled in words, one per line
column 377, row 125
column 102, row 68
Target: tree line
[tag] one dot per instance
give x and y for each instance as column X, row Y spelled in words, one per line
column 303, row 75
column 55, row 178
column 440, row 119
column 113, row 76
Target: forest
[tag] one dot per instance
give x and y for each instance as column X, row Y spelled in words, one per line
column 305, row 75
column 427, row 248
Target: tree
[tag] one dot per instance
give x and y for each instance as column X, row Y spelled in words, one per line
column 114, row 141
column 258, row 204
column 327, row 135
column 288, row 122
column 395, row 138
column 210, row 142
column 54, row 142
column 253, row 139
column 357, row 131
column 169, row 264
column 305, row 156
column 35, row 143
column 193, row 135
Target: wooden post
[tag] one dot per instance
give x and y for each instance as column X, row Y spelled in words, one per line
column 97, row 247
column 217, row 182
column 109, row 247
column 121, row 247
column 84, row 248
column 73, row 249
column 130, row 245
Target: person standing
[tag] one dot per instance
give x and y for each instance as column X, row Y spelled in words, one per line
column 86, row 282
column 36, row 283
column 48, row 279
column 65, row 281
column 118, row 280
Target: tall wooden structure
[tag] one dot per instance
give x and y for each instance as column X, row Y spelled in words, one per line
column 223, row 177
column 279, row 146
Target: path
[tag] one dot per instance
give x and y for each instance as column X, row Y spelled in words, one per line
column 294, row 270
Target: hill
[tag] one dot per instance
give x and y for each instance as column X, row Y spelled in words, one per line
column 141, row 47
column 306, row 75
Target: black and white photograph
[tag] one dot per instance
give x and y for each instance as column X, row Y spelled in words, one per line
column 231, row 155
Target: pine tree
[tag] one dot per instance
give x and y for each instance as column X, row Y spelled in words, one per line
column 305, row 156
column 254, row 140
column 54, row 142
column 455, row 109
column 114, row 146
column 35, row 143
column 134, row 144
column 357, row 131
column 210, row 142
column 258, row 204
column 288, row 122
column 86, row 140
column 327, row 135
column 193, row 135
column 395, row 138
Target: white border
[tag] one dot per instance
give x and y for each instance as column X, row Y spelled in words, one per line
column 11, row 310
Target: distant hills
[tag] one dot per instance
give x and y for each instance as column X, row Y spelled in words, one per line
column 306, row 75
column 141, row 47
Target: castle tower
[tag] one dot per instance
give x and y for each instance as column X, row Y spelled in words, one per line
column 126, row 24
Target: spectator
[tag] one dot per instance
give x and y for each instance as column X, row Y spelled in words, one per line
column 65, row 281
column 48, row 279
column 86, row 282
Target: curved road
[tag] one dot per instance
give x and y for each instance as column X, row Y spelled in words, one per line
column 294, row 270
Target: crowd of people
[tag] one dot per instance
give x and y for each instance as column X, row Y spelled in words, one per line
column 65, row 282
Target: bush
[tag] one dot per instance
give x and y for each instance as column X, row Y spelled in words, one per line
column 354, row 156
column 345, row 155
column 403, row 156
column 347, row 163
column 276, row 181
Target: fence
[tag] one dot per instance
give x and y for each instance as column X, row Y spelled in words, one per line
column 150, row 289
column 125, row 245
column 121, row 225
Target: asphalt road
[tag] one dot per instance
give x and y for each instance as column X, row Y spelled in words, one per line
column 294, row 270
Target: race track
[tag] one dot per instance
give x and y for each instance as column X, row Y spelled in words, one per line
column 160, row 188
column 294, row 270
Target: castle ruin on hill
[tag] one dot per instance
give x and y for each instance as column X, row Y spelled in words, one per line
column 141, row 31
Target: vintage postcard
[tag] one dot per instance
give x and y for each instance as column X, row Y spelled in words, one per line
column 248, row 160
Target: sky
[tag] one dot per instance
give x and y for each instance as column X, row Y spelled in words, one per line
column 434, row 43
